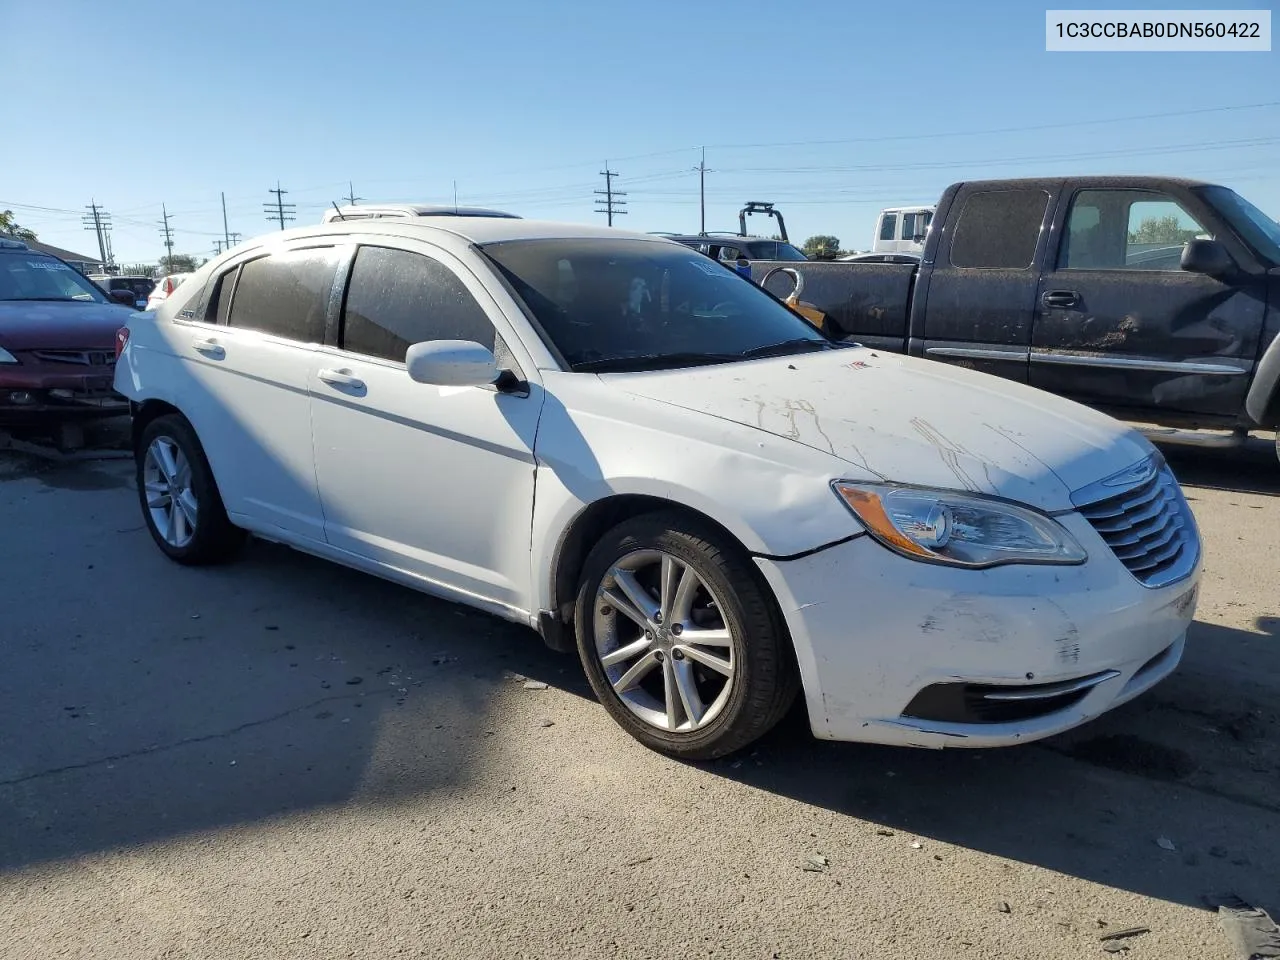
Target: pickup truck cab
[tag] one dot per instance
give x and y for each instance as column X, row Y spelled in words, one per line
column 1154, row 299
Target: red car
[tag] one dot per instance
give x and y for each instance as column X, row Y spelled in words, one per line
column 57, row 345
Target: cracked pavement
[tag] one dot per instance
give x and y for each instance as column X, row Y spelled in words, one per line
column 281, row 758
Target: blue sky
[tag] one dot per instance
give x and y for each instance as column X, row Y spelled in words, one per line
column 830, row 109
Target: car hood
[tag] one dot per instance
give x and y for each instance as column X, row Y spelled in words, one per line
column 44, row 325
column 907, row 420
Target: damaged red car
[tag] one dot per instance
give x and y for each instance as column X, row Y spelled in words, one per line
column 57, row 346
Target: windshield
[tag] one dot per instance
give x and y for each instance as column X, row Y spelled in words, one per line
column 36, row 277
column 1255, row 227
column 636, row 304
column 779, row 251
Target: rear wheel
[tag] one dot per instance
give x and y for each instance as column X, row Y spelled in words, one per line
column 680, row 638
column 180, row 500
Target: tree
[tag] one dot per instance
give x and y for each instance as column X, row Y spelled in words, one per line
column 1161, row 230
column 10, row 226
column 823, row 246
column 179, row 263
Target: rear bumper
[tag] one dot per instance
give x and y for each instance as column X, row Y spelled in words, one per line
column 899, row 652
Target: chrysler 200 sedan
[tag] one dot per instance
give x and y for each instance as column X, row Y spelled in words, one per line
column 644, row 457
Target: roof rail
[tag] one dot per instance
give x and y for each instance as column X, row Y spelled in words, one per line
column 379, row 211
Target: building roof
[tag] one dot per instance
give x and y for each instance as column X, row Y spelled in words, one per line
column 59, row 252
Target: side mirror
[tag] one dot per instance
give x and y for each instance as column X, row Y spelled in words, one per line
column 126, row 297
column 1208, row 257
column 451, row 363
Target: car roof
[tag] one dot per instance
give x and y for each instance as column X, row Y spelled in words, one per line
column 366, row 211
column 477, row 230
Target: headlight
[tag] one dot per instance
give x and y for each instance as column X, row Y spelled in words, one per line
column 961, row 530
column 6, row 356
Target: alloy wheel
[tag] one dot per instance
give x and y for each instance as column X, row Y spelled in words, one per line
column 663, row 642
column 171, row 501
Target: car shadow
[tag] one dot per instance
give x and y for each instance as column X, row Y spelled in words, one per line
column 1253, row 468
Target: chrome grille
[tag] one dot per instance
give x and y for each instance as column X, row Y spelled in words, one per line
column 1144, row 518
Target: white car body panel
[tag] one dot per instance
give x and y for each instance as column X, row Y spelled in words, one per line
column 468, row 493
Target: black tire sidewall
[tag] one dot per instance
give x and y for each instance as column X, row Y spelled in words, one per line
column 759, row 654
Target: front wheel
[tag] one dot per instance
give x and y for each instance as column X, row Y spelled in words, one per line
column 680, row 638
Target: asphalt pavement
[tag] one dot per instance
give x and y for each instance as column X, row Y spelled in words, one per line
column 282, row 758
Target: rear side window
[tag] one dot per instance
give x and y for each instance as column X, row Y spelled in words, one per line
column 888, row 226
column 999, row 229
column 397, row 298
column 285, row 294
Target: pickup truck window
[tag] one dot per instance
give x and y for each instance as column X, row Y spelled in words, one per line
column 1258, row 230
column 1126, row 230
column 998, row 229
column 889, row 226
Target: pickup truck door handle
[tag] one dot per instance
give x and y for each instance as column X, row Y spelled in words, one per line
column 341, row 379
column 209, row 347
column 1060, row 298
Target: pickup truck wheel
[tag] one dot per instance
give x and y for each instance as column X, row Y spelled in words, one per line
column 680, row 638
column 180, row 501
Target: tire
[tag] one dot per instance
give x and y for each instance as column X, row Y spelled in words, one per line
column 730, row 621
column 201, row 534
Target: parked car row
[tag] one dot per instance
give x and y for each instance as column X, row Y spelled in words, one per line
column 653, row 462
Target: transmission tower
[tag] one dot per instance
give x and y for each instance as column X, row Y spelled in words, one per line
column 612, row 205
column 279, row 211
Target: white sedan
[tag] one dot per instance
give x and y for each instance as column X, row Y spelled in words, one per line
column 646, row 458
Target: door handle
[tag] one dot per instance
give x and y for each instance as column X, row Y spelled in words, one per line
column 1060, row 298
column 342, row 379
column 209, row 347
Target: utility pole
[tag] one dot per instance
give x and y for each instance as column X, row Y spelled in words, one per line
column 455, row 196
column 612, row 205
column 283, row 211
column 98, row 220
column 351, row 197
column 226, row 235
column 168, row 238
column 702, row 190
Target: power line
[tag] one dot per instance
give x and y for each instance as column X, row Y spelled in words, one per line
column 612, row 205
column 284, row 212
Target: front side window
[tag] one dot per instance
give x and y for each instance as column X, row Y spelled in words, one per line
column 37, row 277
column 999, row 229
column 285, row 294
column 397, row 298
column 1126, row 230
column 889, row 226
column 637, row 304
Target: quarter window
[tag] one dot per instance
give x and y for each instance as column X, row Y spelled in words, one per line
column 1126, row 230
column 999, row 229
column 397, row 298
column 285, row 294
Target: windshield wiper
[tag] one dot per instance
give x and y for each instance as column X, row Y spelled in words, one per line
column 785, row 347
column 652, row 361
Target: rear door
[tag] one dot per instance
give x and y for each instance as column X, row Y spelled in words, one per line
column 248, row 356
column 981, row 292
column 1120, row 324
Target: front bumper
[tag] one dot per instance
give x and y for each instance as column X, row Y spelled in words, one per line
column 31, row 397
column 883, row 642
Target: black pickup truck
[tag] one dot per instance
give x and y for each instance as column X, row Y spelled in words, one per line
column 1154, row 299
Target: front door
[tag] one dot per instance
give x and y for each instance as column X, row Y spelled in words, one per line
column 981, row 291
column 433, row 481
column 1120, row 324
